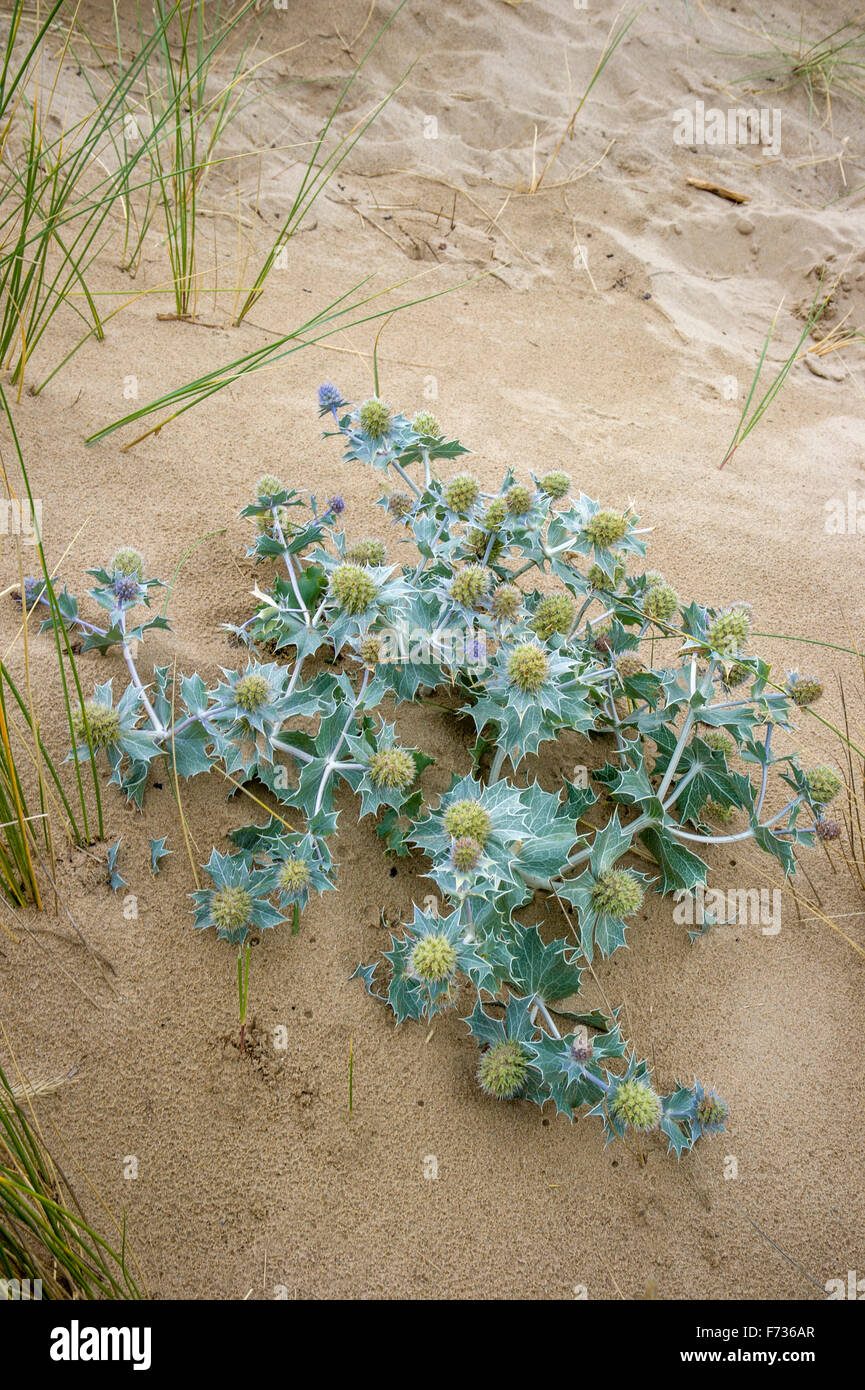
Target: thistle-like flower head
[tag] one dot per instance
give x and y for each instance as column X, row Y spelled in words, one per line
column 503, row 1069
column 469, row 585
column 555, row 613
column 268, row 486
column 462, row 492
column 126, row 588
column 329, row 397
column 606, row 528
column 661, row 603
column 599, row 579
column 528, row 667
column 828, row 830
column 352, row 587
column 465, row 854
column 803, row 690
column 467, row 819
column 824, row 784
column 369, row 650
column 238, row 900
column 718, row 740
column 367, row 552
column 495, row 514
column 712, row 1112
column 400, row 504
column 426, row 424
column 719, row 812
column 104, row 723
column 336, row 505
column 392, row 768
column 618, row 892
column 519, row 499
column 506, row 602
column 728, row 632
column 433, row 958
column 128, row 561
column 637, row 1104
column 652, row 579
column 629, row 664
column 252, row 691
column 294, row 876
column 485, row 545
column 230, row 908
column 375, row 418
column 556, row 484
column 737, row 674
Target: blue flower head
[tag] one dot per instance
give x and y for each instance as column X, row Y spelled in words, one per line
column 329, row 398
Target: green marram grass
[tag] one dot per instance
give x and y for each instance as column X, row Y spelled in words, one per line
column 44, row 1234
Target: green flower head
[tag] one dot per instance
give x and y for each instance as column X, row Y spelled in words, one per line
column 238, row 901
column 637, row 1104
column 495, row 514
column 554, row 614
column 485, row 545
column 434, row 958
column 252, row 691
column 375, row 418
column 737, row 675
column 468, row 819
column 462, row 492
column 606, row 528
column 369, row 650
column 352, row 587
column 519, row 499
column 823, row 783
column 367, row 552
column 556, row 484
column 718, row 740
column 128, row 561
column 503, row 1070
column 528, row 668
column 712, row 1112
column 426, row 424
column 618, row 892
column 652, row 579
column 469, row 585
column 465, row 854
column 599, row 579
column 661, row 603
column 230, row 908
column 268, row 486
column 392, row 768
column 294, row 876
column 506, row 602
column 728, row 632
column 104, row 724
column 719, row 812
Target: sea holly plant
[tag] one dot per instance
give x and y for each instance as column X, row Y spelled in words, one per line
column 527, row 612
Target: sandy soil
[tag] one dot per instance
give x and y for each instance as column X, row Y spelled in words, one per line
column 251, row 1177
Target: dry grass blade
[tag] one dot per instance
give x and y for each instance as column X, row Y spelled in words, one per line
column 618, row 31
